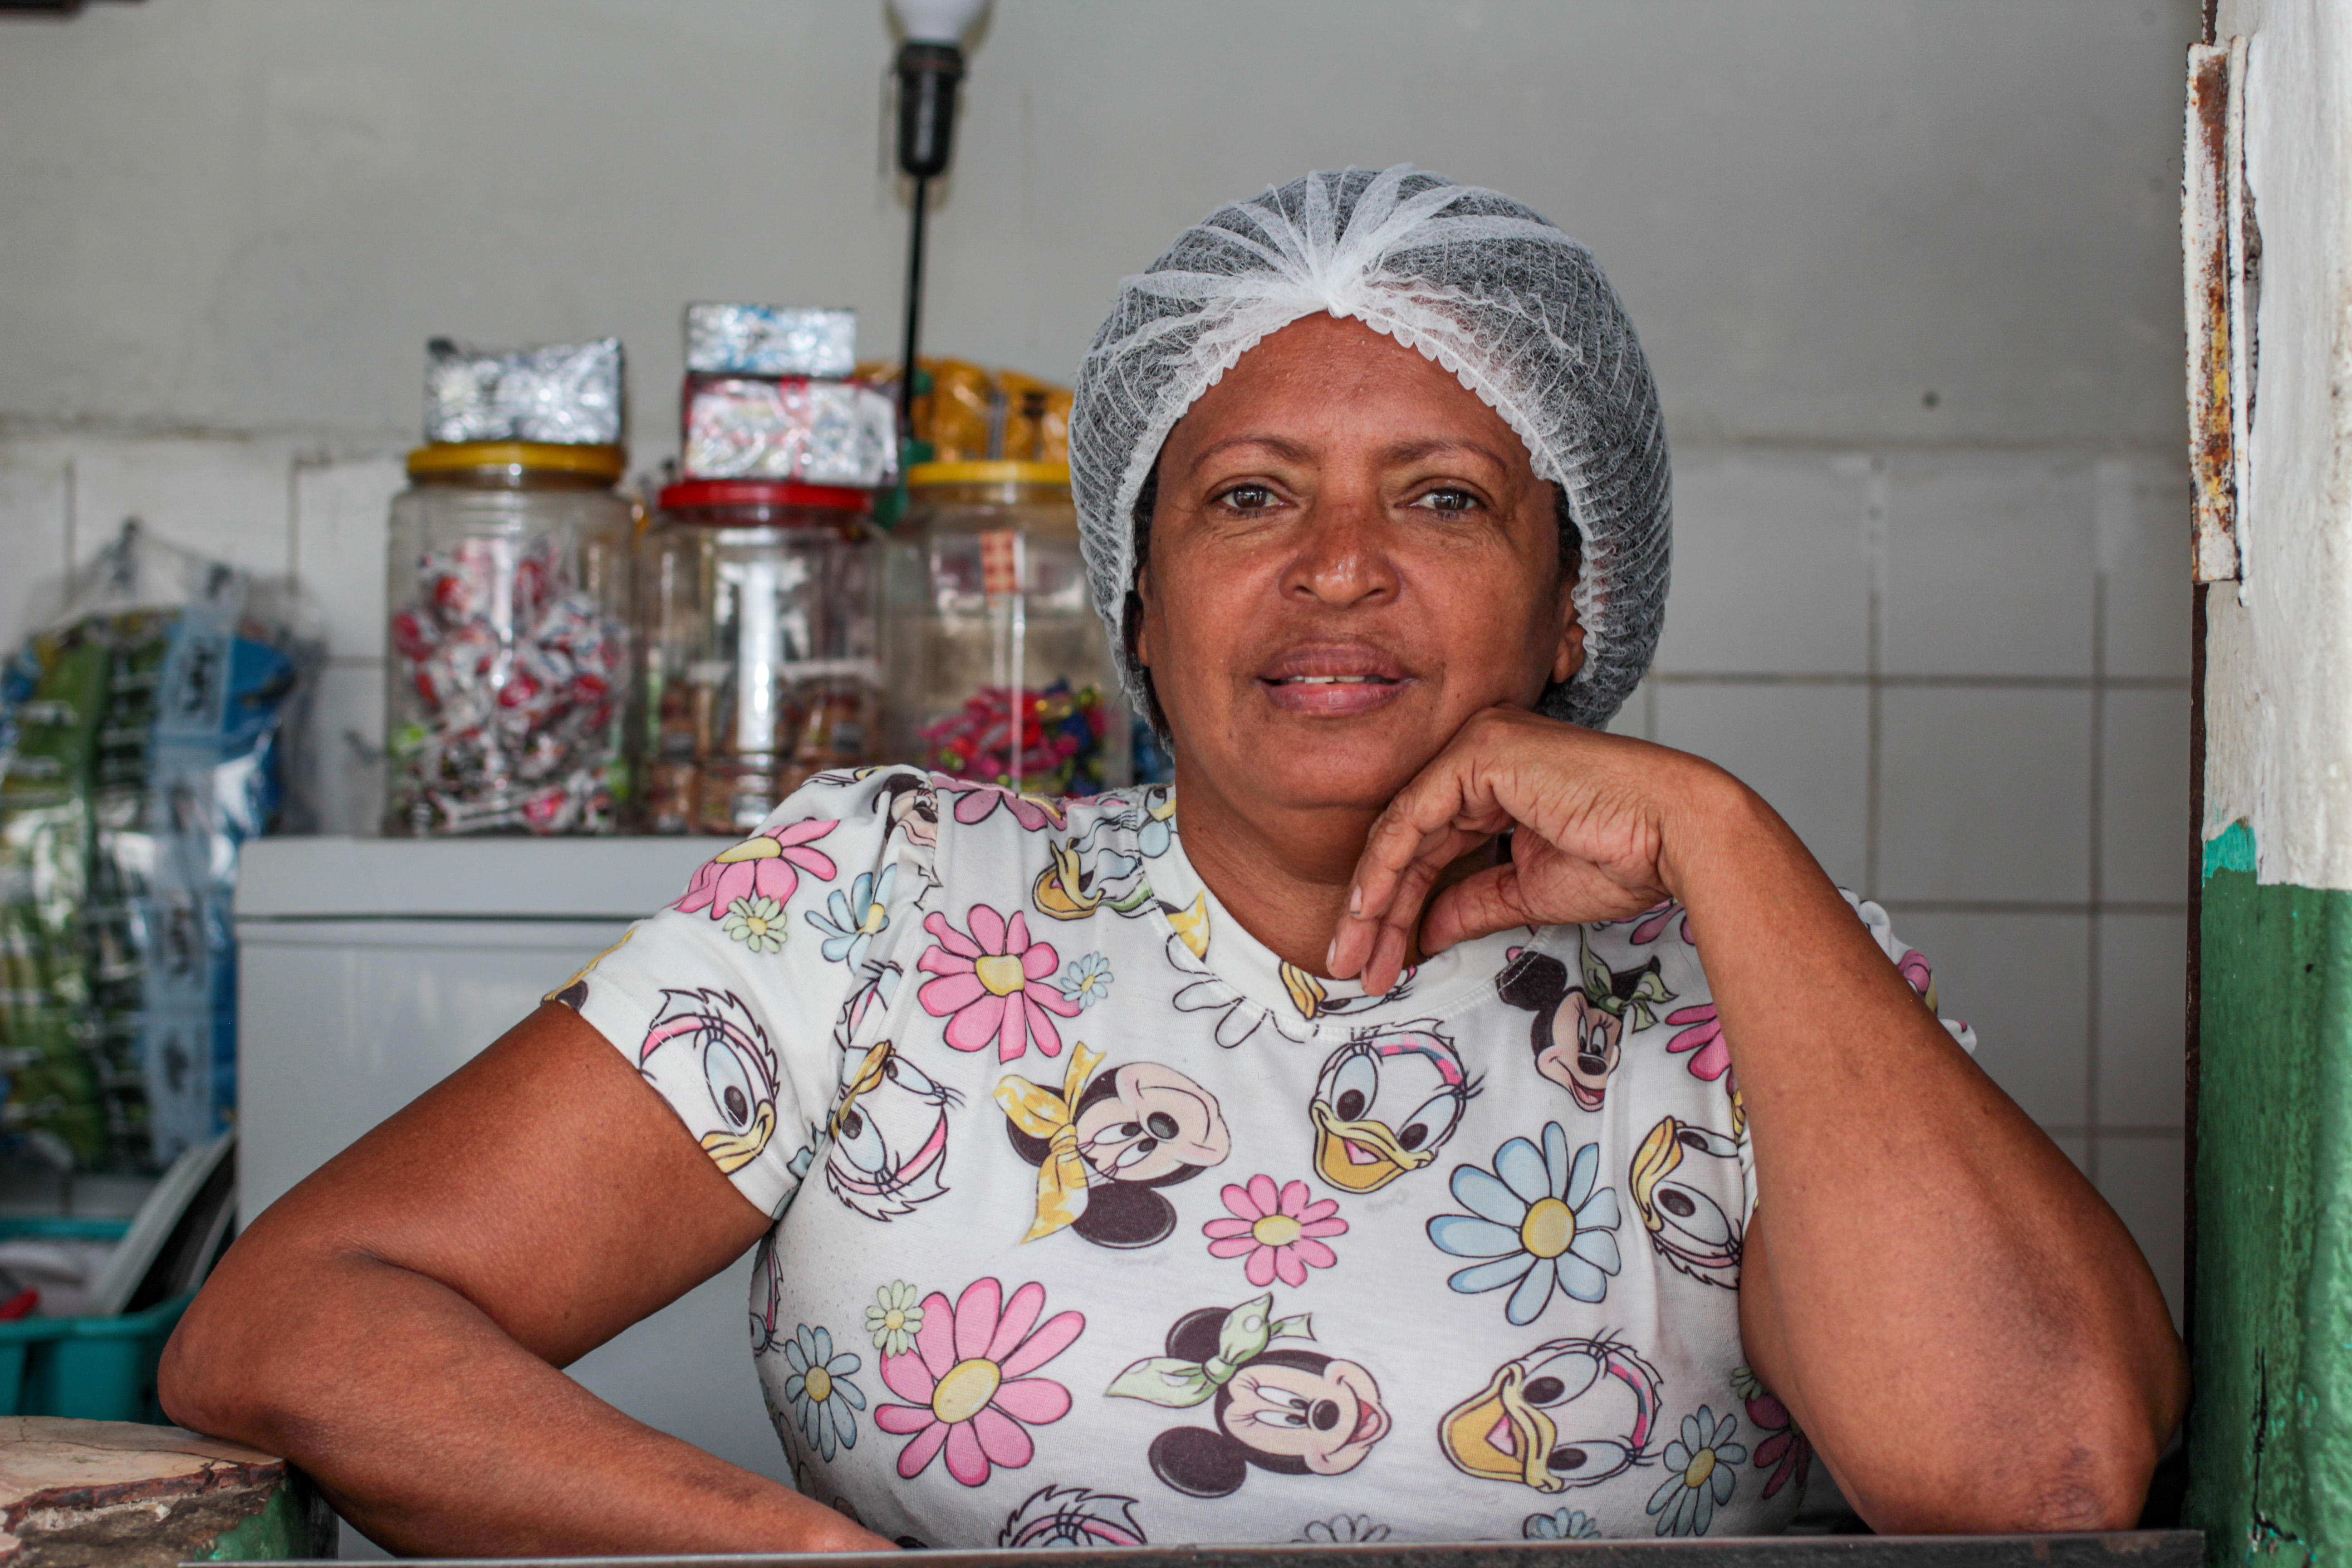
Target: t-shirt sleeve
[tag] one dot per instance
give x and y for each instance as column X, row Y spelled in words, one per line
column 1911, row 965
column 735, row 1001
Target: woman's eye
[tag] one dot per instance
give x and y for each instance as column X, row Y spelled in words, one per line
column 1448, row 502
column 1248, row 497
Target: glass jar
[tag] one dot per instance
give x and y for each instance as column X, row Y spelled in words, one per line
column 758, row 608
column 1000, row 669
column 508, row 673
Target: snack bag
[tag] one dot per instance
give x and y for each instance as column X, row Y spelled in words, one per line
column 145, row 735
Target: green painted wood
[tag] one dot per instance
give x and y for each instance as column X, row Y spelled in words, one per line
column 2270, row 1430
column 291, row 1525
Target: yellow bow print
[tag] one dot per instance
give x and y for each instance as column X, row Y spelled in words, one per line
column 1042, row 1114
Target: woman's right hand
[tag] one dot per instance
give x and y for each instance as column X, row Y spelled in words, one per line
column 395, row 1324
column 1593, row 821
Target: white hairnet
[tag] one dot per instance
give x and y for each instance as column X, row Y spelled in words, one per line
column 1476, row 281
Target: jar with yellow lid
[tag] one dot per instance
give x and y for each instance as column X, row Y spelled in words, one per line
column 999, row 670
column 508, row 675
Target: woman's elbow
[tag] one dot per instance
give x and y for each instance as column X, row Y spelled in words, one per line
column 2092, row 1477
column 233, row 1368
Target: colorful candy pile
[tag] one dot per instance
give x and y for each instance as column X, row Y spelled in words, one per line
column 1058, row 751
column 520, row 677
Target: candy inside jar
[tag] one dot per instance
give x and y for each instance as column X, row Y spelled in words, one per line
column 510, row 659
column 761, row 648
column 1000, row 670
column 1057, row 750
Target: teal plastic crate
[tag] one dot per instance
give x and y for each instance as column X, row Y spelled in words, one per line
column 101, row 1369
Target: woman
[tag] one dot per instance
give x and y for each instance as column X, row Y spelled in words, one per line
column 1363, row 1150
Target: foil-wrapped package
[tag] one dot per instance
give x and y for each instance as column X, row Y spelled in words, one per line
column 788, row 427
column 564, row 393
column 771, row 340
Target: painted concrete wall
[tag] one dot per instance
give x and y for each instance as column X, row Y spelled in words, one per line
column 2281, row 709
column 1947, row 634
column 246, row 215
column 2270, row 1434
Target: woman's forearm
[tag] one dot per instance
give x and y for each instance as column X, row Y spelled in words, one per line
column 1962, row 1325
column 434, row 1433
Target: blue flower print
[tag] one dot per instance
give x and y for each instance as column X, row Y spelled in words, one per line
column 823, row 1398
column 1561, row 1524
column 1538, row 1222
column 1086, row 980
column 1700, row 1474
column 853, row 919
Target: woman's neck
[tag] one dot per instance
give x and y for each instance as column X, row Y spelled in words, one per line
column 1284, row 873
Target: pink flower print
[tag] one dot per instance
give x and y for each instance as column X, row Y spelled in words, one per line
column 1705, row 1035
column 1280, row 1233
column 976, row 800
column 1646, row 931
column 966, row 1382
column 766, row 865
column 1914, row 968
column 1786, row 1451
column 987, row 985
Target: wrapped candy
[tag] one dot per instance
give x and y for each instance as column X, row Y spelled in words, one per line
column 788, row 427
column 771, row 340
column 566, row 394
column 1056, row 750
column 517, row 674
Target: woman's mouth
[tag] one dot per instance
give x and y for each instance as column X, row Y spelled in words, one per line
column 1343, row 696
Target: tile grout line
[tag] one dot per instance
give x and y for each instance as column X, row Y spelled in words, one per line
column 1920, row 683
column 70, row 520
column 2095, row 870
column 2139, row 1132
column 1874, row 544
column 2035, row 906
column 294, row 516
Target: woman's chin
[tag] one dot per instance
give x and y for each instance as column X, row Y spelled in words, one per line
column 1355, row 765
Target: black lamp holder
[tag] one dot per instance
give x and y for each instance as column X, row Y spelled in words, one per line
column 928, row 74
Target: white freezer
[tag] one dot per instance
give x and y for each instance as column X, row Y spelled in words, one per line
column 369, row 968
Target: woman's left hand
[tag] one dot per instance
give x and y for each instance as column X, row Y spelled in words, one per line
column 1593, row 818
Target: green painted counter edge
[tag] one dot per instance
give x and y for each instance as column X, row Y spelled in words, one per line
column 296, row 1523
column 279, row 1531
column 2270, row 1427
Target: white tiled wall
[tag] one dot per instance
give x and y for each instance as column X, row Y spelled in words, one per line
column 1961, row 676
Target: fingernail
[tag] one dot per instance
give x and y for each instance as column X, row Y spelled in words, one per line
column 1355, row 900
column 1331, row 956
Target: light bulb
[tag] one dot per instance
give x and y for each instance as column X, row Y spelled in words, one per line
column 936, row 21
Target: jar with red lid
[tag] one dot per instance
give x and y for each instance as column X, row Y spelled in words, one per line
column 758, row 614
column 1000, row 669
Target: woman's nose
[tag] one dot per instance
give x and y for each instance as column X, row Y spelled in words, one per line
column 1344, row 556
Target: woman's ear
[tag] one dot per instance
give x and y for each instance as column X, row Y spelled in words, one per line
column 1143, row 618
column 1569, row 657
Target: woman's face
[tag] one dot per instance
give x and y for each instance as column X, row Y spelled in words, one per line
column 1350, row 554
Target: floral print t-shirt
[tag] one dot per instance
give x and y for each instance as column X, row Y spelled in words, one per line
column 1099, row 1223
